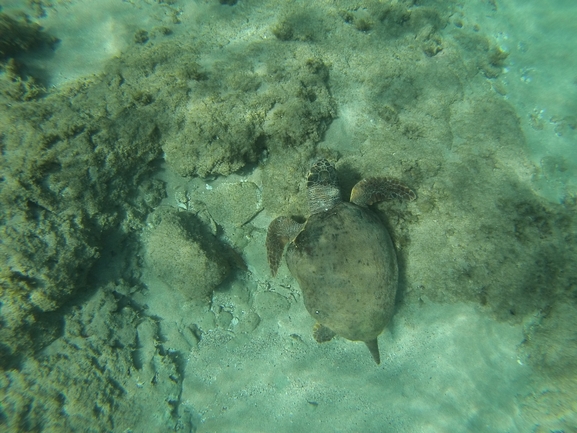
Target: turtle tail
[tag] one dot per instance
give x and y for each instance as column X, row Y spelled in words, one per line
column 373, row 346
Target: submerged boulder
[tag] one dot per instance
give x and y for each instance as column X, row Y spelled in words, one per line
column 183, row 255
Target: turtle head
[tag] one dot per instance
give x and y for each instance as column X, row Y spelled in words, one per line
column 322, row 186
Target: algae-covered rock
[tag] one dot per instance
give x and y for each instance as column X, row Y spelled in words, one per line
column 220, row 136
column 19, row 35
column 109, row 362
column 238, row 113
column 74, row 185
column 182, row 255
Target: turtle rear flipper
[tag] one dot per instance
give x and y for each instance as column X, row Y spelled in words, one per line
column 376, row 189
column 280, row 232
column 322, row 334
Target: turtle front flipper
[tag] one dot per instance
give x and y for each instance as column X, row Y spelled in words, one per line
column 280, row 231
column 376, row 189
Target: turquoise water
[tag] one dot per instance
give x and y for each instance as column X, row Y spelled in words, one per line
column 146, row 147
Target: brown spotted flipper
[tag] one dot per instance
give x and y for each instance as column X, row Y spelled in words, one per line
column 322, row 334
column 373, row 346
column 281, row 231
column 376, row 189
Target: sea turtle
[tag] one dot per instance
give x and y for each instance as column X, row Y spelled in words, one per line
column 342, row 256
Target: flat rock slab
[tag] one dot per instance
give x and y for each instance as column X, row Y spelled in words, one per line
column 234, row 204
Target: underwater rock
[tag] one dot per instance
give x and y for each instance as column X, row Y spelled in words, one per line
column 18, row 36
column 183, row 256
column 234, row 204
column 237, row 113
column 109, row 362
